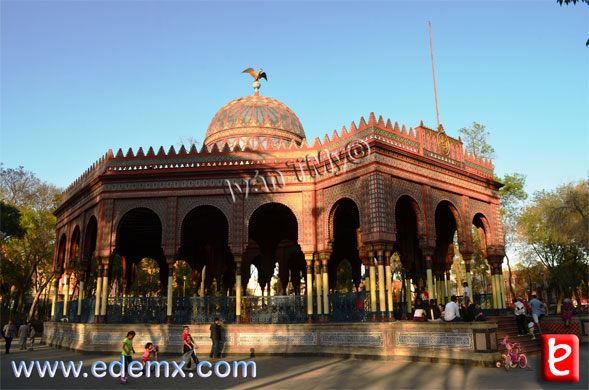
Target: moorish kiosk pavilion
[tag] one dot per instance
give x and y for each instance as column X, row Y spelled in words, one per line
column 386, row 198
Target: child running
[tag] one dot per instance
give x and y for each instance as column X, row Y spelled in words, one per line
column 150, row 350
column 189, row 346
column 127, row 354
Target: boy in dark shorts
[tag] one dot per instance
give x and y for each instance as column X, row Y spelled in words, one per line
column 188, row 346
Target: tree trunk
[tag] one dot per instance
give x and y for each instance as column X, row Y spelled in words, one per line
column 560, row 298
column 32, row 309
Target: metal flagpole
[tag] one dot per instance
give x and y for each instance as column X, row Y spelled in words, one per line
column 433, row 72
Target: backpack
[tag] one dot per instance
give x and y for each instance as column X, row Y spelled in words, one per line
column 520, row 309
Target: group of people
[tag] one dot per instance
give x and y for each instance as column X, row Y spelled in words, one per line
column 188, row 347
column 428, row 310
column 25, row 335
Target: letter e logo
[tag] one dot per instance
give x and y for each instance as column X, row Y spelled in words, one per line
column 560, row 357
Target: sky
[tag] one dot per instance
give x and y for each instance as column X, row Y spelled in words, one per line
column 81, row 77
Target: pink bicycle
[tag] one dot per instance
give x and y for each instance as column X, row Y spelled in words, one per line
column 513, row 357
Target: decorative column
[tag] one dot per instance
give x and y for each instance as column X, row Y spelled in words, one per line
column 318, row 278
column 427, row 253
column 443, row 286
column 105, row 262
column 80, row 295
column 493, row 285
column 381, row 284
column 372, row 272
column 324, row 260
column 441, row 293
column 448, row 285
column 54, row 297
column 467, row 257
column 237, row 288
column 169, row 303
column 502, row 283
column 498, row 284
column 98, row 292
column 408, row 295
column 66, row 291
column 309, row 286
column 389, row 284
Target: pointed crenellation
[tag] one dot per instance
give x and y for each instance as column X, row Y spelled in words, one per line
column 193, row 150
column 150, row 152
column 404, row 130
column 412, row 133
column 371, row 119
column 326, row 139
column 344, row 131
column 182, row 151
column 140, row 152
column 172, row 151
column 161, row 151
column 389, row 125
column 353, row 128
column 397, row 127
column 334, row 136
column 380, row 121
column 316, row 143
column 119, row 154
column 130, row 153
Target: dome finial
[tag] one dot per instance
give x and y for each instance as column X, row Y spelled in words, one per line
column 257, row 76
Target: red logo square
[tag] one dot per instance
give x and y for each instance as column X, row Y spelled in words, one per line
column 560, row 357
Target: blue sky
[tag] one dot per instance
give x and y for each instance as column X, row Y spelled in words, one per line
column 81, row 77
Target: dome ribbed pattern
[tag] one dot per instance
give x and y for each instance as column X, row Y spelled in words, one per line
column 254, row 119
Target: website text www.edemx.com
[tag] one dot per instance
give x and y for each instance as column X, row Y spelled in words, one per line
column 135, row 369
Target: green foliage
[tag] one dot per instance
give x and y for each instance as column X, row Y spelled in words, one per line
column 554, row 227
column 147, row 282
column 344, row 281
column 475, row 140
column 10, row 223
column 26, row 261
column 183, row 277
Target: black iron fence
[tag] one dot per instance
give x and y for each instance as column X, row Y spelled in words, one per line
column 274, row 309
column 343, row 307
column 199, row 310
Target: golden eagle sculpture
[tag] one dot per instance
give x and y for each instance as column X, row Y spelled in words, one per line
column 257, row 76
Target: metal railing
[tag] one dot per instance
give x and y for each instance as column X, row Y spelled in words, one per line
column 203, row 309
column 343, row 307
column 349, row 307
column 278, row 309
column 127, row 310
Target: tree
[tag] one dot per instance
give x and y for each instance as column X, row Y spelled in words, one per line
column 147, row 281
column 512, row 196
column 568, row 213
column 344, row 282
column 567, row 2
column 541, row 229
column 26, row 261
column 475, row 140
column 10, row 223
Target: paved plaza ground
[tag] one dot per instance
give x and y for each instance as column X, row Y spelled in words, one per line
column 299, row 373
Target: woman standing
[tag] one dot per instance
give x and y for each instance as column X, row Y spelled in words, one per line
column 567, row 311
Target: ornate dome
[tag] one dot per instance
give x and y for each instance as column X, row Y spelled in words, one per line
column 254, row 120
